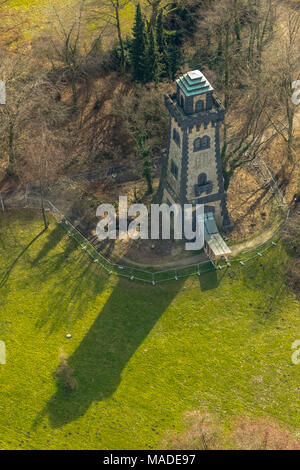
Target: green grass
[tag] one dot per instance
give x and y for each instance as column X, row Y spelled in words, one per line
column 39, row 15
column 142, row 355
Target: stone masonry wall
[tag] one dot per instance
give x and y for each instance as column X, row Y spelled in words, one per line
column 175, row 155
column 203, row 161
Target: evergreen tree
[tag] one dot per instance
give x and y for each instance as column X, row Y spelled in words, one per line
column 153, row 70
column 161, row 45
column 169, row 46
column 160, row 35
column 138, row 47
column 174, row 58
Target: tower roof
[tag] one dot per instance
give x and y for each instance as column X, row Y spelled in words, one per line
column 194, row 83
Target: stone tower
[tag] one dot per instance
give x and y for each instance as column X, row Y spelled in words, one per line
column 194, row 168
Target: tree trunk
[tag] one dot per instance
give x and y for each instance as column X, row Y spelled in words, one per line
column 2, row 205
column 74, row 90
column 226, row 69
column 117, row 8
column 46, row 224
column 154, row 15
column 290, row 140
column 11, row 153
column 149, row 184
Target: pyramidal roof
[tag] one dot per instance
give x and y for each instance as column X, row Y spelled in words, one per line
column 194, row 83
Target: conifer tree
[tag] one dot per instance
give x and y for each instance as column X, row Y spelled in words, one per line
column 174, row 58
column 161, row 45
column 160, row 35
column 138, row 47
column 169, row 48
column 153, row 70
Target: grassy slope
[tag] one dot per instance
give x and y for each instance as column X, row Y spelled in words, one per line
column 39, row 14
column 142, row 355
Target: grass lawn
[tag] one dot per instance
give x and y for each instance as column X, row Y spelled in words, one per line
column 142, row 355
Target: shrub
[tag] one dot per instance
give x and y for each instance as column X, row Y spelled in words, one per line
column 203, row 432
column 64, row 373
column 261, row 434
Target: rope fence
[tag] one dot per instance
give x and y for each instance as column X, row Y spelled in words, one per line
column 173, row 274
column 157, row 277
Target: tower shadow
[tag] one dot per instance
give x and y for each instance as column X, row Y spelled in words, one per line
column 209, row 280
column 110, row 343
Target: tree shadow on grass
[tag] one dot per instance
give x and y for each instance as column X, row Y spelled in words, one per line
column 10, row 237
column 5, row 278
column 70, row 246
column 267, row 277
column 121, row 327
column 53, row 239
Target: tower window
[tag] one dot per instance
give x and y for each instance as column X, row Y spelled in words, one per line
column 197, row 144
column 199, row 106
column 174, row 170
column 182, row 101
column 203, row 186
column 176, row 137
column 201, row 143
column 205, row 142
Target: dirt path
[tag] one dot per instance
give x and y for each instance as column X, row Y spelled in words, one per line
column 254, row 242
column 171, row 264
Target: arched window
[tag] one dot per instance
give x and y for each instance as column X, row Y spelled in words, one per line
column 202, row 179
column 182, row 101
column 203, row 185
column 205, row 142
column 197, row 144
column 176, row 137
column 201, row 143
column 199, row 106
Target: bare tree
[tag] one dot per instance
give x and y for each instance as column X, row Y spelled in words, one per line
column 248, row 140
column 205, row 432
column 12, row 23
column 109, row 12
column 142, row 112
column 283, row 63
column 66, row 46
column 155, row 7
column 14, row 115
column 29, row 98
column 43, row 161
column 242, row 31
